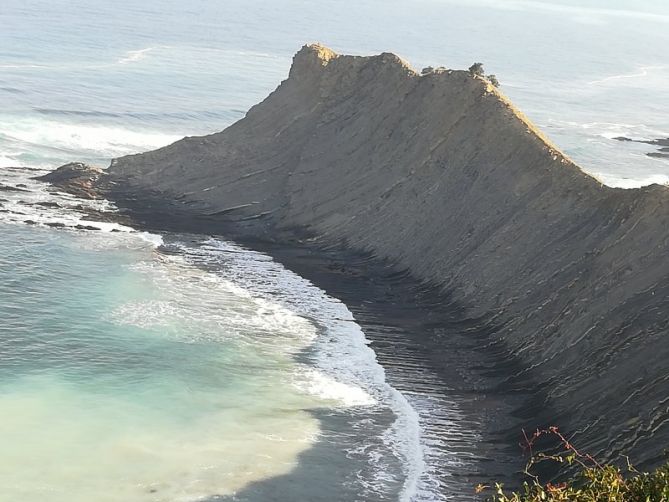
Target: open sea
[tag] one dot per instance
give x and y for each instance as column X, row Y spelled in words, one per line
column 140, row 367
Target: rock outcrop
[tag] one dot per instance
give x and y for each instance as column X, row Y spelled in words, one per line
column 662, row 144
column 9, row 188
column 441, row 175
column 76, row 178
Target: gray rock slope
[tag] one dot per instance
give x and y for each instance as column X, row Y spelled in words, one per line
column 441, row 175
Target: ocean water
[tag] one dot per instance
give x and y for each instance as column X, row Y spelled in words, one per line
column 139, row 367
column 115, row 386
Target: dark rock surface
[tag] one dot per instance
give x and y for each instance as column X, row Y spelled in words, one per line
column 565, row 281
column 663, row 143
column 86, row 227
column 48, row 204
column 77, row 179
column 9, row 188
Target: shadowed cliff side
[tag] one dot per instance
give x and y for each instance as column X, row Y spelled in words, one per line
column 443, row 177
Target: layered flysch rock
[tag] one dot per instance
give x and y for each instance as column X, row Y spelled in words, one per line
column 441, row 175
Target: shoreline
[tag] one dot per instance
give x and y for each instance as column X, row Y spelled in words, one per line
column 427, row 346
column 431, row 351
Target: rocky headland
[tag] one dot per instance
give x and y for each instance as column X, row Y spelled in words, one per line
column 78, row 179
column 551, row 285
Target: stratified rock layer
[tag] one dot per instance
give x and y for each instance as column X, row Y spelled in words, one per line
column 441, row 175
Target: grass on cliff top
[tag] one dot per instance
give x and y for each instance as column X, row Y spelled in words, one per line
column 594, row 482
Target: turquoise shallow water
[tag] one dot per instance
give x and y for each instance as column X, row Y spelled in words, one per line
column 141, row 367
column 137, row 367
column 112, row 379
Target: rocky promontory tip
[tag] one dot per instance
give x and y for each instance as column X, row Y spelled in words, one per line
column 77, row 179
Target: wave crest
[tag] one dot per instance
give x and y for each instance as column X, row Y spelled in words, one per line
column 136, row 55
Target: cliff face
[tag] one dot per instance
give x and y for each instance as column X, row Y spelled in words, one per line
column 442, row 176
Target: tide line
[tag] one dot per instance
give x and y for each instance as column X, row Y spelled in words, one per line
column 643, row 72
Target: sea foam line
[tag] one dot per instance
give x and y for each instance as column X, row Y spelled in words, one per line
column 136, row 55
column 8, row 162
column 346, row 367
column 21, row 66
column 643, row 72
column 346, row 370
column 129, row 57
column 97, row 140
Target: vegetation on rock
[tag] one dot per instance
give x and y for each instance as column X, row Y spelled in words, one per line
column 594, row 482
column 477, row 71
column 493, row 80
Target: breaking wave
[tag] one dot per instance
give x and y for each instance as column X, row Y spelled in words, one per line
column 80, row 140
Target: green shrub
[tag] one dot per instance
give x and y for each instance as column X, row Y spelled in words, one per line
column 593, row 483
column 477, row 69
column 493, row 80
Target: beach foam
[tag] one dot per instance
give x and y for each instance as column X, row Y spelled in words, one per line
column 8, row 161
column 38, row 204
column 80, row 139
column 346, row 370
column 137, row 55
column 622, row 182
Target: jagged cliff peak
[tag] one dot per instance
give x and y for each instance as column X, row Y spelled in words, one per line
column 317, row 56
column 315, row 50
column 312, row 60
column 311, row 57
